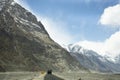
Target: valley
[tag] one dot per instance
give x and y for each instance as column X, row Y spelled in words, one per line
column 27, row 51
column 63, row 76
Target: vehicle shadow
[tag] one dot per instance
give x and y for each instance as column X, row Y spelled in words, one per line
column 52, row 77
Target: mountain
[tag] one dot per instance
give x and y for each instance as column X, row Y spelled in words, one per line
column 25, row 45
column 92, row 60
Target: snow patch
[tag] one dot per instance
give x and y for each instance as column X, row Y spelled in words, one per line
column 102, row 59
column 77, row 48
column 110, row 59
column 13, row 3
column 81, row 50
column 26, row 22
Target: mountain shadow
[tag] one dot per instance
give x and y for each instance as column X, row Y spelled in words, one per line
column 2, row 69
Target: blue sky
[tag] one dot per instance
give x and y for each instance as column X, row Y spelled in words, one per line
column 80, row 16
column 83, row 21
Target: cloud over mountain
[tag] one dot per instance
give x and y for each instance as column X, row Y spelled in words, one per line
column 56, row 29
column 59, row 33
column 110, row 46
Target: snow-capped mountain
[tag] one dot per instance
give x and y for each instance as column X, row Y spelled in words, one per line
column 92, row 60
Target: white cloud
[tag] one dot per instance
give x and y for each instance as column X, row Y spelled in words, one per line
column 109, row 47
column 59, row 33
column 91, row 45
column 111, row 16
column 112, row 45
column 57, row 30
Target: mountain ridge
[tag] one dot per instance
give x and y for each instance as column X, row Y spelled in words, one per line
column 26, row 45
column 92, row 60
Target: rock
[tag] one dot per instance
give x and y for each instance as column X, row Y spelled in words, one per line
column 25, row 45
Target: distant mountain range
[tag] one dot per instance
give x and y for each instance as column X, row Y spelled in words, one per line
column 92, row 60
column 25, row 45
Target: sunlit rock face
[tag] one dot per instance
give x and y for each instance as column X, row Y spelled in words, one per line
column 25, row 45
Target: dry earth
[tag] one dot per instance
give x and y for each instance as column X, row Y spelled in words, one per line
column 65, row 76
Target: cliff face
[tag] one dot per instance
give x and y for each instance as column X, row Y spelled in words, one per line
column 25, row 44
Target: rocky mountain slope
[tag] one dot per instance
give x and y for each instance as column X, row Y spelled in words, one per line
column 25, row 44
column 92, row 60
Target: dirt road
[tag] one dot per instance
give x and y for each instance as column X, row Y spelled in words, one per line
column 57, row 76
